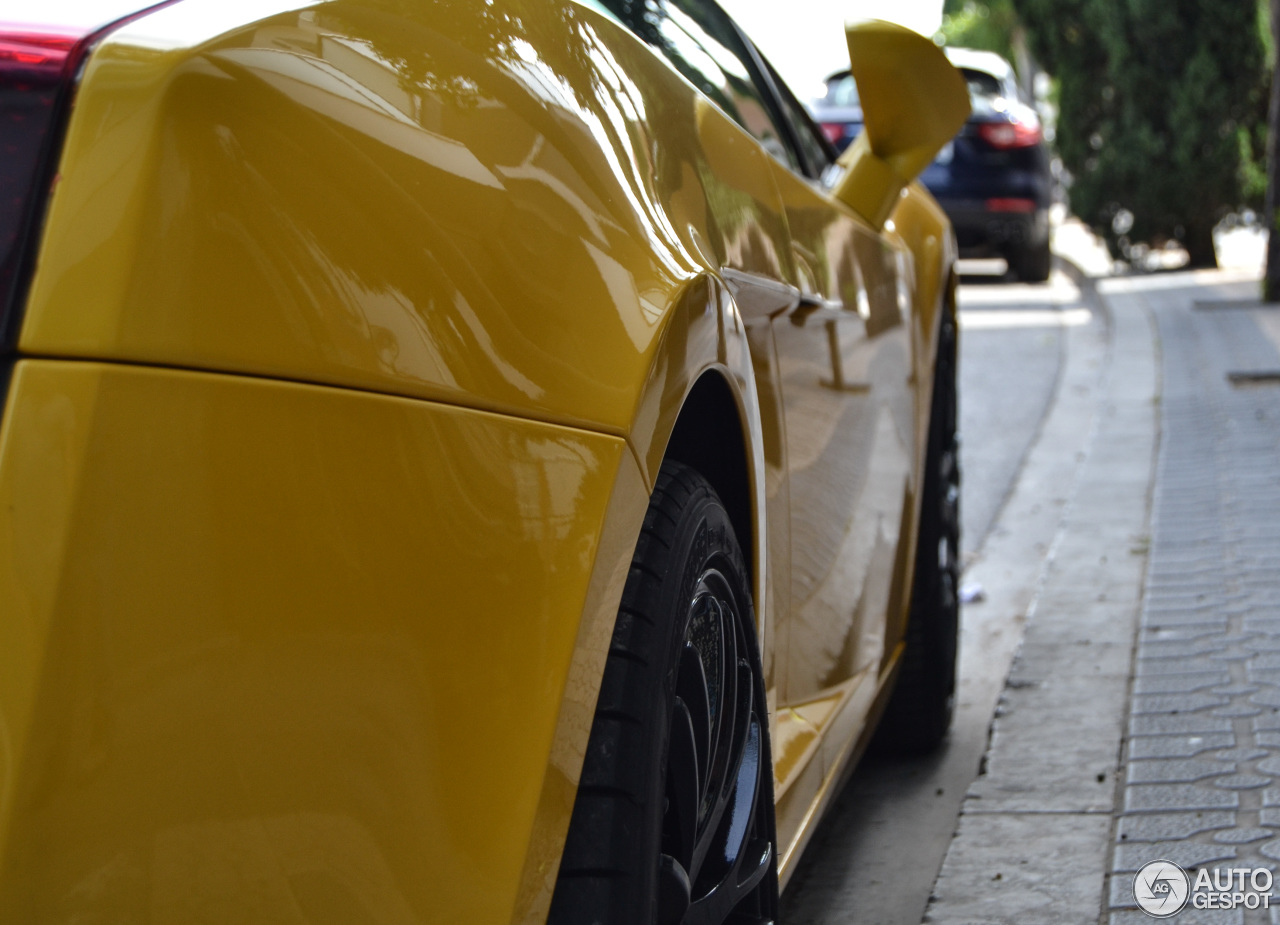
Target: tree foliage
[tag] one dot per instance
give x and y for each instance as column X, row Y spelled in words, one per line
column 1162, row 112
column 985, row 24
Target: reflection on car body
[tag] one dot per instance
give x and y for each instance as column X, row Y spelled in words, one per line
column 382, row 377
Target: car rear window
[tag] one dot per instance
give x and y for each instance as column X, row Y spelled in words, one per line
column 841, row 91
column 981, row 84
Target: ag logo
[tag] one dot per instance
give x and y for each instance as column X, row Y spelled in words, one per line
column 1161, row 888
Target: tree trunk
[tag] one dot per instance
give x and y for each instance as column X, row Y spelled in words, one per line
column 1199, row 244
column 1271, row 280
column 1027, row 67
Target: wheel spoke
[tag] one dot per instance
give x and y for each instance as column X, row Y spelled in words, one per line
column 691, row 687
column 724, row 754
column 725, row 657
column 705, row 634
column 680, row 822
column 750, row 857
column 746, row 783
column 722, row 838
column 673, row 891
column 738, row 805
column 715, row 761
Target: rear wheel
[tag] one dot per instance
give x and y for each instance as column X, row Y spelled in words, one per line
column 918, row 715
column 673, row 821
column 1031, row 262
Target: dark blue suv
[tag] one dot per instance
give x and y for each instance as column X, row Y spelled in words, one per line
column 993, row 180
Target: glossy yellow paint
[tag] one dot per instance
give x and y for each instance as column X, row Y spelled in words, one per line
column 528, row 256
column 526, row 251
column 280, row 653
column 925, row 234
column 329, row 618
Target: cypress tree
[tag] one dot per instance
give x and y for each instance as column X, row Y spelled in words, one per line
column 1271, row 278
column 1162, row 109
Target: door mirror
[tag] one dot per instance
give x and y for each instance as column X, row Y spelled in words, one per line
column 913, row 102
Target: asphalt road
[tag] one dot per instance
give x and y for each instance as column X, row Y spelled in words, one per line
column 876, row 855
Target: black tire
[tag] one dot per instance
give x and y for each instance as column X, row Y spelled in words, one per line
column 919, row 712
column 673, row 820
column 1031, row 263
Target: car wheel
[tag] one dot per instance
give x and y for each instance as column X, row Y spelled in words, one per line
column 1031, row 263
column 919, row 712
column 674, row 821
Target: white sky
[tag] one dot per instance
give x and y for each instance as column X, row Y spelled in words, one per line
column 804, row 39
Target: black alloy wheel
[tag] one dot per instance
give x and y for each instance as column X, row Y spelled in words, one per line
column 673, row 821
column 1031, row 263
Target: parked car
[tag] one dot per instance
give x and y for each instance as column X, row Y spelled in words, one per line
column 460, row 462
column 993, row 180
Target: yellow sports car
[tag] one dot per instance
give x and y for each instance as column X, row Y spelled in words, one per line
column 461, row 461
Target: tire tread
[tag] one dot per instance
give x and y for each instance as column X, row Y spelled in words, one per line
column 608, row 814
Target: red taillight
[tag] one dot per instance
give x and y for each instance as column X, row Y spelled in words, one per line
column 44, row 51
column 834, row 131
column 1006, row 135
column 1011, row 205
column 38, row 65
column 35, row 68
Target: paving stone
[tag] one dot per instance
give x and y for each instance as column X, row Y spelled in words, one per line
column 1120, row 891
column 1177, row 770
column 1176, row 648
column 1151, row 667
column 1179, row 596
column 1176, row 703
column 1178, row 746
column 1203, row 585
column 983, row 879
column 1242, row 836
column 1268, row 719
column 1244, row 753
column 1177, row 724
column 1171, row 613
column 1186, row 854
column 1233, row 654
column 1167, row 826
column 1179, row 617
column 1188, row 916
column 1267, row 697
column 1236, row 711
column 1184, row 683
column 1235, row 690
column 1241, row 782
column 1139, row 797
column 1237, row 639
column 1172, row 579
column 1191, row 566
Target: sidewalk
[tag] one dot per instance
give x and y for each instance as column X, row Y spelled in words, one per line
column 1141, row 719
